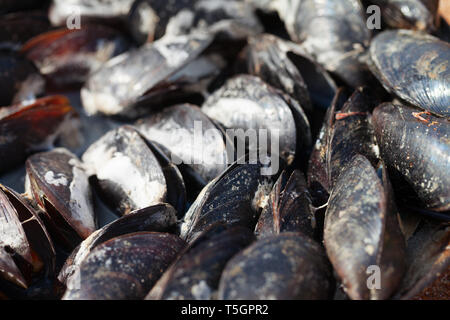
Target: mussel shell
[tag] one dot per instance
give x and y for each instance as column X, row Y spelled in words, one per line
column 196, row 274
column 428, row 258
column 13, row 241
column 408, row 14
column 177, row 128
column 288, row 209
column 235, row 198
column 66, row 57
column 335, row 33
column 20, row 79
column 125, row 267
column 419, row 150
column 157, row 218
column 414, row 66
column 352, row 132
column 226, row 19
column 267, row 60
column 145, row 69
column 24, row 129
column 125, row 170
column 287, row 266
column 61, row 187
column 246, row 102
column 361, row 230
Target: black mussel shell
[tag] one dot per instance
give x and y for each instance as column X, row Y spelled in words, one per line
column 125, row 170
column 190, row 137
column 196, row 274
column 361, row 234
column 66, row 57
column 157, row 218
column 245, row 102
column 59, row 184
column 419, row 148
column 234, row 198
column 288, row 209
column 29, row 128
column 125, row 267
column 287, row 266
column 147, row 71
column 414, row 66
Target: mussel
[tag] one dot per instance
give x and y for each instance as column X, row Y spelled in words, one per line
column 414, row 66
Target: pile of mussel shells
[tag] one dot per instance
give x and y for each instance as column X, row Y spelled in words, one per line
column 105, row 193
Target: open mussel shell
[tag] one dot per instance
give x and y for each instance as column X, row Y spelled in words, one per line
column 418, row 149
column 147, row 71
column 20, row 79
column 125, row 267
column 361, row 232
column 408, row 14
column 245, row 102
column 414, row 66
column 125, row 171
column 25, row 246
column 227, row 19
column 286, row 266
column 31, row 127
column 59, row 184
column 66, row 56
column 234, row 198
column 288, row 209
column 196, row 273
column 190, row 137
column 157, row 218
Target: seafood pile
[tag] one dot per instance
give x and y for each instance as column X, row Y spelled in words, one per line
column 224, row 149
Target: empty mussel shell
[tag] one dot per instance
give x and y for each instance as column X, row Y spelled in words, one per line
column 419, row 149
column 414, row 66
column 125, row 267
column 196, row 274
column 362, row 235
column 287, row 266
